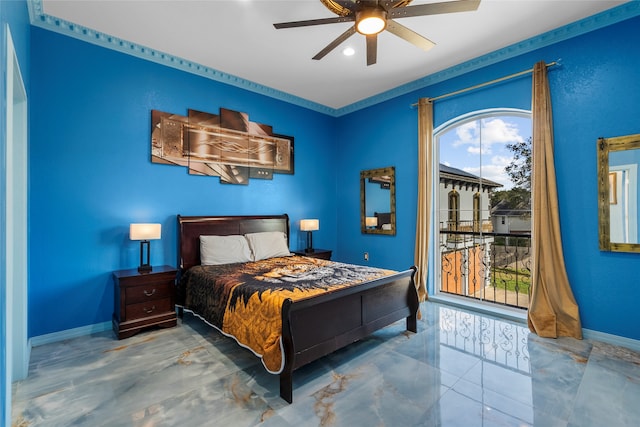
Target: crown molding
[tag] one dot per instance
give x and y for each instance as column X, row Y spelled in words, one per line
column 620, row 13
column 39, row 19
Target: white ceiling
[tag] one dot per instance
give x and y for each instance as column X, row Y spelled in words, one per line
column 237, row 37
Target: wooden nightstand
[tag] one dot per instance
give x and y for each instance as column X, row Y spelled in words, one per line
column 143, row 300
column 317, row 253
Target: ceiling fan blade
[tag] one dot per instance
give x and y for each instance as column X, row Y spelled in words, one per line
column 409, row 35
column 372, row 49
column 387, row 4
column 342, row 37
column 311, row 22
column 433, row 8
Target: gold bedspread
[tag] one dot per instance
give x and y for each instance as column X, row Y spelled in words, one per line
column 245, row 300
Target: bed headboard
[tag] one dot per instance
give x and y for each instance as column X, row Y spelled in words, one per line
column 190, row 228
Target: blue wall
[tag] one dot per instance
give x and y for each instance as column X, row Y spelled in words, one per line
column 594, row 93
column 91, row 173
column 14, row 16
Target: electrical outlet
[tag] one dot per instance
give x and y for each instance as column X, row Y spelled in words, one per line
column 366, row 256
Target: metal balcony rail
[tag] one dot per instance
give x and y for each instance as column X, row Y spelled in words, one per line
column 485, row 265
column 466, row 226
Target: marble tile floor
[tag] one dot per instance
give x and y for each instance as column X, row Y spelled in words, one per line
column 460, row 369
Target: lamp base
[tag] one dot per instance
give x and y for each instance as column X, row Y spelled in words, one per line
column 309, row 248
column 144, row 269
column 145, row 266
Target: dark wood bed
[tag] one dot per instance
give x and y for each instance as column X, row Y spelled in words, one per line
column 317, row 326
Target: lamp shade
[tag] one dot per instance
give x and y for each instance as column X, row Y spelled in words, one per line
column 371, row 221
column 309, row 224
column 145, row 231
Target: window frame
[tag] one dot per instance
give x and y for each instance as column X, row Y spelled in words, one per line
column 434, row 278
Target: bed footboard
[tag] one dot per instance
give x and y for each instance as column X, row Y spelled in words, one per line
column 318, row 326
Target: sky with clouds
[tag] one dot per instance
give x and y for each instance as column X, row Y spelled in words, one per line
column 480, row 146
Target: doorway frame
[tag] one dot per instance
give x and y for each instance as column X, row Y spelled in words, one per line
column 16, row 219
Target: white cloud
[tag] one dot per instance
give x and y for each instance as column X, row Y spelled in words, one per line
column 460, row 146
column 501, row 161
column 497, row 131
column 494, row 131
column 494, row 171
column 466, row 134
column 475, row 150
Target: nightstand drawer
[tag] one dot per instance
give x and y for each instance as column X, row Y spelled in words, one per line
column 148, row 308
column 148, row 292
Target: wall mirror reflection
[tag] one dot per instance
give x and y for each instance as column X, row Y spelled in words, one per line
column 618, row 191
column 378, row 201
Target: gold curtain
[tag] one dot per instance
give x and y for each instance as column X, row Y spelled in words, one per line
column 425, row 171
column 553, row 311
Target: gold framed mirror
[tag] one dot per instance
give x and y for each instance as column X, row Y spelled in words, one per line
column 378, row 201
column 618, row 193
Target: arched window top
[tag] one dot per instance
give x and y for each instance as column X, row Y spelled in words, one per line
column 479, row 155
column 478, row 115
column 476, row 149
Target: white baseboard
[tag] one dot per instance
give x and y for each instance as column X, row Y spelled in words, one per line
column 520, row 316
column 70, row 333
column 494, row 310
column 611, row 339
column 105, row 326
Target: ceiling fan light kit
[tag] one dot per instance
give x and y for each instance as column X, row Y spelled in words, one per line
column 371, row 21
column 371, row 17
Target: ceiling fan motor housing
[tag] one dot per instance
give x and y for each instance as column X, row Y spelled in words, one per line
column 345, row 8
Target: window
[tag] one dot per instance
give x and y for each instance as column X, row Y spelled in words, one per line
column 484, row 168
column 477, row 225
column 454, row 210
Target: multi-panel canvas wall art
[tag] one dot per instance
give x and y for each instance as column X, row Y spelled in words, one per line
column 227, row 145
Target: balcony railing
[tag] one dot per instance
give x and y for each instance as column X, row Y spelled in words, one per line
column 485, row 226
column 486, row 266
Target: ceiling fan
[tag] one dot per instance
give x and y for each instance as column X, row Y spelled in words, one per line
column 371, row 17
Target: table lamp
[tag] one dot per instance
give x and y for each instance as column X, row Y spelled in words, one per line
column 145, row 233
column 309, row 225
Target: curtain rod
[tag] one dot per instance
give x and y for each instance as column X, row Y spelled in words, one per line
column 501, row 79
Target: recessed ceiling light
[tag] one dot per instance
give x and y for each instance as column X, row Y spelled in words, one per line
column 348, row 51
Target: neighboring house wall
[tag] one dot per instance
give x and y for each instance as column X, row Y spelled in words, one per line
column 511, row 223
column 462, row 259
column 466, row 203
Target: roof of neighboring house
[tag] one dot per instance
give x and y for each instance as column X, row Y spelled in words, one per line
column 450, row 175
column 503, row 209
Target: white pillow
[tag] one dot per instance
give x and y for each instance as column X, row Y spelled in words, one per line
column 216, row 250
column 268, row 244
